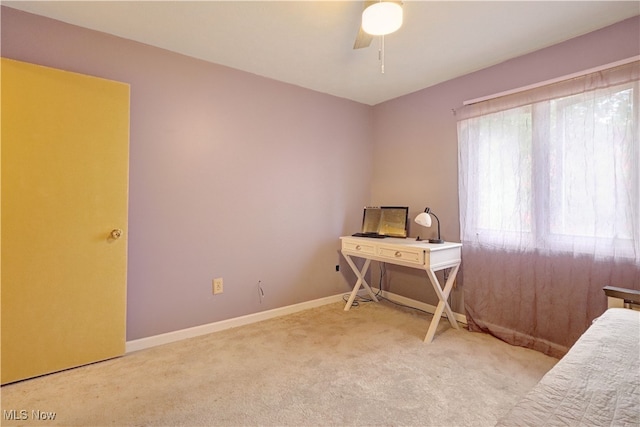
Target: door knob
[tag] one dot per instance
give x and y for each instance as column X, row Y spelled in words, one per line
column 116, row 233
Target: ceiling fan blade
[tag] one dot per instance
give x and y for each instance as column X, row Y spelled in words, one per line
column 363, row 39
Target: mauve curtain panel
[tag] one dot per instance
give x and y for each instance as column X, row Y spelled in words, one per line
column 549, row 187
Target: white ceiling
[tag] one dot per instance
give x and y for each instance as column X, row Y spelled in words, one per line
column 309, row 43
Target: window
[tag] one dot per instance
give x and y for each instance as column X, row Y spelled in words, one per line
column 590, row 150
column 556, row 169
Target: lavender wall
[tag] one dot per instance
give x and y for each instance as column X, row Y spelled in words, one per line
column 415, row 140
column 249, row 179
column 231, row 175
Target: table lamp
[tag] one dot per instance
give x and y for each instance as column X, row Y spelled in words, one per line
column 424, row 219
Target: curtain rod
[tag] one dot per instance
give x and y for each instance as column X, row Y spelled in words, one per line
column 551, row 81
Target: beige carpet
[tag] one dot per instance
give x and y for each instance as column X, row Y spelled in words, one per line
column 323, row 366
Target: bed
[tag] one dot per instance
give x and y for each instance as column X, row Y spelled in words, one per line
column 596, row 383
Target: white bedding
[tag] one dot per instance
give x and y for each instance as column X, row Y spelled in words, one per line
column 597, row 383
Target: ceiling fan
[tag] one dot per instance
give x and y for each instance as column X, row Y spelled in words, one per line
column 379, row 17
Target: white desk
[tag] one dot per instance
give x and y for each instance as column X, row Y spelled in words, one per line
column 430, row 257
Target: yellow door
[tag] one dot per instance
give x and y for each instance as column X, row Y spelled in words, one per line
column 65, row 157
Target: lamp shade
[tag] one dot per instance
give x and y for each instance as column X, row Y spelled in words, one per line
column 424, row 219
column 382, row 18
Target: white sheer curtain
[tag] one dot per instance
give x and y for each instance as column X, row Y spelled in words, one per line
column 549, row 185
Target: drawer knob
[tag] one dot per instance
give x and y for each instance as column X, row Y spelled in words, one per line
column 398, row 254
column 358, row 247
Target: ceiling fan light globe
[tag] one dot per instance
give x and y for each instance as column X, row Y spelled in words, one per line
column 382, row 18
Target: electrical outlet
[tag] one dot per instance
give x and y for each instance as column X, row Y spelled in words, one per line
column 218, row 286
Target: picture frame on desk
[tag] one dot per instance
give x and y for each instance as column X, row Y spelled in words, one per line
column 390, row 221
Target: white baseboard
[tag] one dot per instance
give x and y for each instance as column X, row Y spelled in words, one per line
column 169, row 337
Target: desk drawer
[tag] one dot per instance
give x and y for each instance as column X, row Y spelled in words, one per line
column 413, row 256
column 358, row 247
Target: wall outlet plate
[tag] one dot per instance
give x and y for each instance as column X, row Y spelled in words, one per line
column 218, row 286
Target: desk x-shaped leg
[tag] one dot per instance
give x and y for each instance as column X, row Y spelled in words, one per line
column 443, row 304
column 360, row 282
